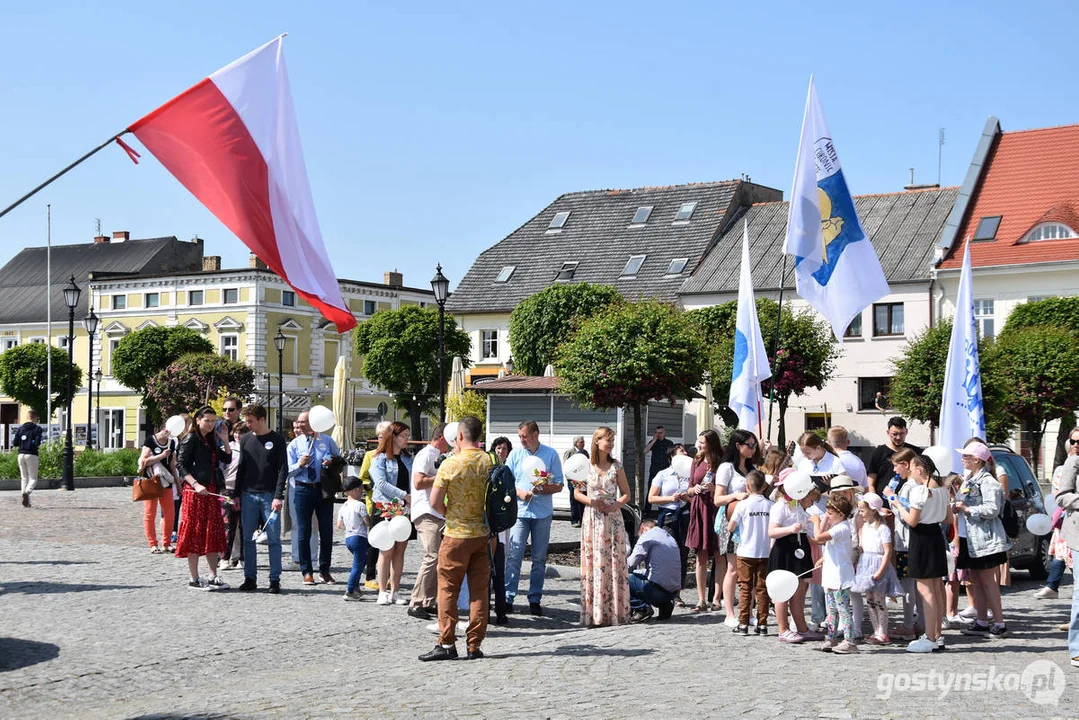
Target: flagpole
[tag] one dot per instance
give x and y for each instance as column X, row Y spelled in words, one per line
column 48, row 321
column 775, row 344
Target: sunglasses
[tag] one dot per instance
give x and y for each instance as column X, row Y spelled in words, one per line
column 1073, row 441
column 232, row 409
column 751, row 446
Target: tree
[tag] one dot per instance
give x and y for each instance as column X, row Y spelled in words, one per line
column 144, row 353
column 195, row 380
column 628, row 354
column 400, row 355
column 542, row 322
column 469, row 402
column 24, row 376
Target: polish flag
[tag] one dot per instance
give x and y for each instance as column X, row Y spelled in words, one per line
column 232, row 141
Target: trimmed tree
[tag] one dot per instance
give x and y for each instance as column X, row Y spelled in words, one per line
column 141, row 355
column 24, row 376
column 542, row 322
column 400, row 355
column 628, row 354
column 197, row 379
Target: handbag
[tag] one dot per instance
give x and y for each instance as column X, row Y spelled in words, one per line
column 146, row 488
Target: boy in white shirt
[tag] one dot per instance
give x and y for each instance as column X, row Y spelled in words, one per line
column 752, row 516
column 354, row 520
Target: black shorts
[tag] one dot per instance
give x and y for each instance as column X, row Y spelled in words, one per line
column 966, row 562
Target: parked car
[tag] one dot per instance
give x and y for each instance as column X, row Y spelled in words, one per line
column 1029, row 552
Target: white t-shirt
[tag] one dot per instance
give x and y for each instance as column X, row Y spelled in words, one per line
column 352, row 514
column 874, row 538
column 669, row 483
column 752, row 515
column 423, row 463
column 838, row 570
column 728, row 477
column 827, row 465
column 854, row 467
column 932, row 502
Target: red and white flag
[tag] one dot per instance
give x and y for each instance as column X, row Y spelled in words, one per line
column 232, row 141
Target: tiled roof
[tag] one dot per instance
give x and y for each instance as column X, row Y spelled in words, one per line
column 1030, row 177
column 23, row 278
column 518, row 383
column 903, row 227
column 599, row 236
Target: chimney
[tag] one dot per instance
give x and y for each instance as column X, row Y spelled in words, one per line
column 255, row 263
column 393, row 278
column 121, row 235
column 211, row 262
column 98, row 239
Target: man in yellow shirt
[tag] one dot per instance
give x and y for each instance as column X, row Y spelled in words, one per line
column 459, row 495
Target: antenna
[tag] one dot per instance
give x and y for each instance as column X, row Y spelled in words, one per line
column 940, row 151
column 97, row 226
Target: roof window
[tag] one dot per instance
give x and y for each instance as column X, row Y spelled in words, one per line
column 677, row 266
column 633, row 266
column 506, row 274
column 685, row 212
column 1049, row 231
column 568, row 269
column 559, row 220
column 987, row 228
column 641, row 216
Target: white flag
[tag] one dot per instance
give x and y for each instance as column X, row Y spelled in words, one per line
column 962, row 412
column 836, row 268
column 750, row 357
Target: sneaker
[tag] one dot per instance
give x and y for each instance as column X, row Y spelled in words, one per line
column 26, row 499
column 953, row 622
column 355, row 595
column 535, row 609
column 791, row 637
column 998, row 630
column 249, row 585
column 371, row 584
column 730, row 621
column 1046, row 593
column 384, row 599
column 741, row 630
column 828, row 645
column 812, row 635
column 940, row 645
column 327, row 578
column 642, row 614
column 198, row 584
column 969, row 613
column 1075, row 662
column 398, row 600
column 845, row 648
column 761, row 629
column 275, row 587
column 291, row 566
column 418, row 612
column 976, row 629
column 439, row 653
column 921, row 645
column 216, row 583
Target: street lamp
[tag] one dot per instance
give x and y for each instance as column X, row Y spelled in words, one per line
column 441, row 286
column 71, row 297
column 509, row 366
column 97, row 415
column 279, row 343
column 91, row 329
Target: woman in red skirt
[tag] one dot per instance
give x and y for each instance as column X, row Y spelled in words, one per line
column 202, row 528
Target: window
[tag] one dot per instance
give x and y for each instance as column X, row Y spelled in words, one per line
column 641, row 216
column 488, row 344
column 231, row 296
column 506, row 274
column 230, row 347
column 9, row 343
column 558, row 221
column 887, row 319
column 633, row 266
column 1049, row 231
column 153, row 300
column 288, row 298
column 369, row 307
column 62, row 342
column 194, row 297
column 113, row 344
column 112, row 422
column 685, row 212
column 566, row 273
column 868, row 387
column 677, row 266
column 854, row 330
column 987, row 228
column 38, row 340
column 119, row 302
column 983, row 315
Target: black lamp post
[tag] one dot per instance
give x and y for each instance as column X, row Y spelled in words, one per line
column 279, row 343
column 441, row 286
column 97, row 415
column 71, row 297
column 91, row 329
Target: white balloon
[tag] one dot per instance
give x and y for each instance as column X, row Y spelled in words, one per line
column 781, row 584
column 175, row 425
column 450, row 433
column 531, row 465
column 798, row 484
column 682, row 465
column 400, row 528
column 1039, row 524
column 321, row 419
column 799, row 553
column 576, row 468
column 381, row 536
column 943, row 457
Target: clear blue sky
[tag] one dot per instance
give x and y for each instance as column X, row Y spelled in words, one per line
column 431, row 131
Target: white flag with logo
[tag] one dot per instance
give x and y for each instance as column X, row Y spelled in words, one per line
column 750, row 357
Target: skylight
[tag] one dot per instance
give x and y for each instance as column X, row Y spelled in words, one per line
column 566, row 273
column 685, row 212
column 559, row 220
column 633, row 266
column 987, row 228
column 677, row 266
column 641, row 216
column 506, row 274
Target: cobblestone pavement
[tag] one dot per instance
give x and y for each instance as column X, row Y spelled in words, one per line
column 93, row 626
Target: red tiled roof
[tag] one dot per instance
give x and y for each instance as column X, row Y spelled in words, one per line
column 1032, row 177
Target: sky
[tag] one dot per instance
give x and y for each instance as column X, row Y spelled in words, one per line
column 431, row 132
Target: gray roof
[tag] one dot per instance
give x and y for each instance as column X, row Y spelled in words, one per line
column 904, row 228
column 23, row 278
column 598, row 235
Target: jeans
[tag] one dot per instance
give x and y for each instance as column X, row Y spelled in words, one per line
column 643, row 592
column 357, row 544
column 295, row 531
column 1056, row 574
column 540, row 531
column 816, row 596
column 1073, row 630
column 498, row 579
column 576, row 509
column 677, row 524
column 254, row 509
column 308, row 502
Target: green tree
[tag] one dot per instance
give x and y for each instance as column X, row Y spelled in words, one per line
column 542, row 322
column 24, row 376
column 400, row 355
column 628, row 354
column 469, row 402
column 196, row 379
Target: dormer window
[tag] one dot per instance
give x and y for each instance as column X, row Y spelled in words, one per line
column 559, row 220
column 987, row 228
column 685, row 212
column 506, row 274
column 633, row 265
column 567, row 271
column 1050, row 231
column 641, row 216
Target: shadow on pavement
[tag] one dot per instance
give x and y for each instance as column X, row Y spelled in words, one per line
column 48, row 562
column 16, row 653
column 174, row 716
column 48, row 588
column 582, row 650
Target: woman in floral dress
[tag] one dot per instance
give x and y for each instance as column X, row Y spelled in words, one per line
column 604, row 574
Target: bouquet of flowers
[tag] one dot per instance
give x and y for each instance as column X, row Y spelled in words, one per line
column 539, row 478
column 391, row 509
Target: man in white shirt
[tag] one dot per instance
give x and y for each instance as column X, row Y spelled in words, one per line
column 429, row 524
column 852, row 464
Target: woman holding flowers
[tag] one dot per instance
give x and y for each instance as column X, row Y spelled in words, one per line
column 391, row 471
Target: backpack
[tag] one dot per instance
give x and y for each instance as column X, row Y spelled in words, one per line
column 500, row 499
column 1010, row 520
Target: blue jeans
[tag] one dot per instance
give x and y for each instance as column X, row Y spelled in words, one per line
column 254, row 509
column 1073, row 630
column 540, row 531
column 358, row 545
column 643, row 593
column 1056, row 574
column 296, row 530
column 818, row 611
column 308, row 502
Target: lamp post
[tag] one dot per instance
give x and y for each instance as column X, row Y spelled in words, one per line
column 279, row 343
column 91, row 329
column 441, row 286
column 97, row 415
column 71, row 297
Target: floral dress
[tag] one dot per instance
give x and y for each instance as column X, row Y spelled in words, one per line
column 604, row 573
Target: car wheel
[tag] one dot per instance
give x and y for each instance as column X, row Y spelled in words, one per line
column 1039, row 566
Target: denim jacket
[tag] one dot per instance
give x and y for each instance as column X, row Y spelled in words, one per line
column 985, row 530
column 384, row 477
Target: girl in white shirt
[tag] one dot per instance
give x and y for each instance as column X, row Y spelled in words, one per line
column 789, row 527
column 875, row 577
column 837, row 576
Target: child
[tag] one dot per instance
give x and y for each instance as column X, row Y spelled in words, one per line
column 354, row 520
column 875, row 577
column 837, row 575
column 751, row 517
column 788, row 527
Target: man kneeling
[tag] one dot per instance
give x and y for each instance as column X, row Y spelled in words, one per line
column 658, row 552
